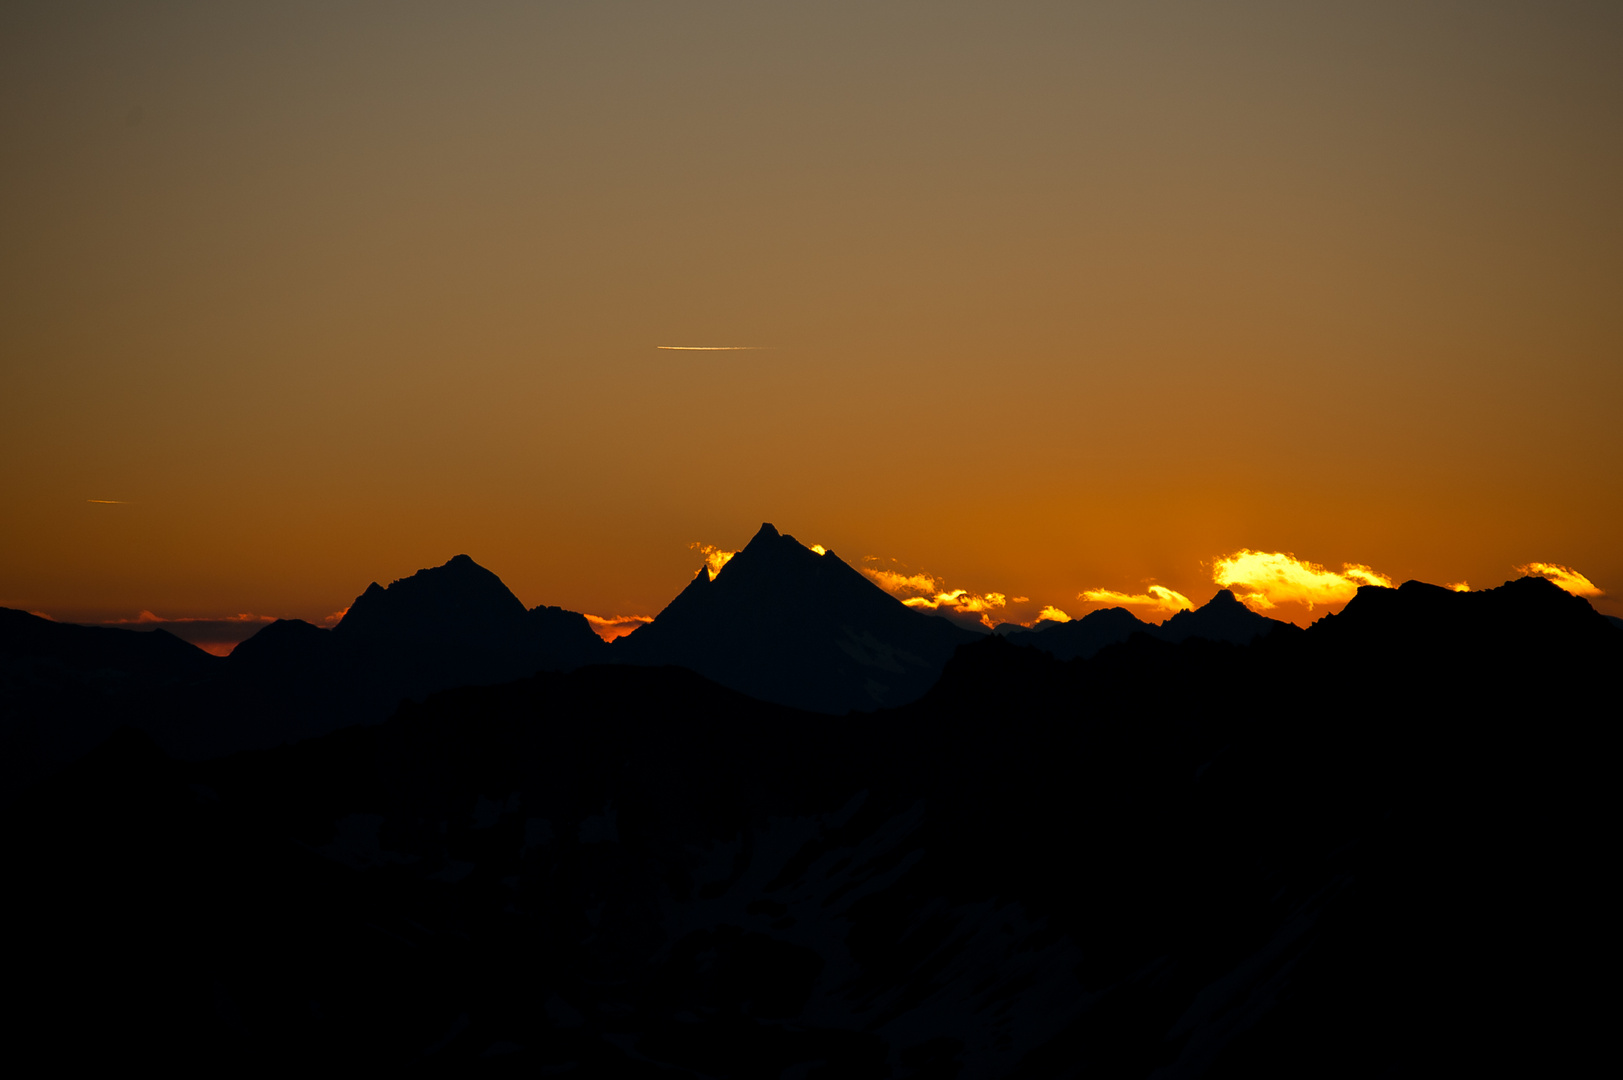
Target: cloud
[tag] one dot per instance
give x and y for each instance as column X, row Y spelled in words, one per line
column 1564, row 576
column 108, row 502
column 336, row 617
column 925, row 591
column 714, row 557
column 902, row 585
column 820, row 549
column 1459, row 586
column 1155, row 596
column 1265, row 579
column 714, row 348
column 609, row 627
column 1052, row 614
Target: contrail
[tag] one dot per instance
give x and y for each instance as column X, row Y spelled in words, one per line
column 713, row 348
column 108, row 502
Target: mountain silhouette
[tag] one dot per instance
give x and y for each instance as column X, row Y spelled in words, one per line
column 66, row 688
column 1377, row 846
column 784, row 624
column 1222, row 618
column 456, row 625
column 1082, row 637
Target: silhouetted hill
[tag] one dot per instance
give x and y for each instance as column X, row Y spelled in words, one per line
column 457, row 605
column 1222, row 618
column 1374, row 847
column 64, row 688
column 785, row 624
column 456, row 625
column 1085, row 636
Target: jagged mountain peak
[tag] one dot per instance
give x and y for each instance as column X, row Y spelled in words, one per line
column 786, row 624
column 454, row 600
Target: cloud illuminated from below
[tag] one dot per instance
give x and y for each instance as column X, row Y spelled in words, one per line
column 1266, row 579
column 1156, row 596
column 924, row 591
column 1564, row 576
column 609, row 627
column 714, row 557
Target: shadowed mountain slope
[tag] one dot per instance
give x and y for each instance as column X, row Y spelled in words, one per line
column 1375, row 847
column 785, row 624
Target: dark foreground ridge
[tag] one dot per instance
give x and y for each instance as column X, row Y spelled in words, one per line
column 1376, row 847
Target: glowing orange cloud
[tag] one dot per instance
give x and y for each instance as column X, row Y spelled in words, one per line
column 820, row 549
column 616, row 626
column 108, row 502
column 1564, row 576
column 714, row 557
column 1458, row 586
column 1156, row 596
column 1265, row 579
column 335, row 618
column 924, row 591
column 1052, row 614
column 902, row 585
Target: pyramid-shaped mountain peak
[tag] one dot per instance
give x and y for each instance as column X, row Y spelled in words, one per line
column 782, row 623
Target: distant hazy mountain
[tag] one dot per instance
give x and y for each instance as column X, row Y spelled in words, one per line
column 1222, row 618
column 1376, row 847
column 787, row 625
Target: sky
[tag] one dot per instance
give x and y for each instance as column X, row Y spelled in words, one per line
column 1041, row 299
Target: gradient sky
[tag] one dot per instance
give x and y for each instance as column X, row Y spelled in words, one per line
column 1057, row 296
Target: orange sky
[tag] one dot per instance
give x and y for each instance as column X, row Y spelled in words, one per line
column 1056, row 299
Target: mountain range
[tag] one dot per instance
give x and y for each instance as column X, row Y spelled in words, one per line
column 779, row 622
column 1377, row 846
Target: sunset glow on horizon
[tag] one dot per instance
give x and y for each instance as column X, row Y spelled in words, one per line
column 1084, row 304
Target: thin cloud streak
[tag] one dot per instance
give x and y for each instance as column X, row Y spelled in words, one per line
column 109, row 502
column 714, row 348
